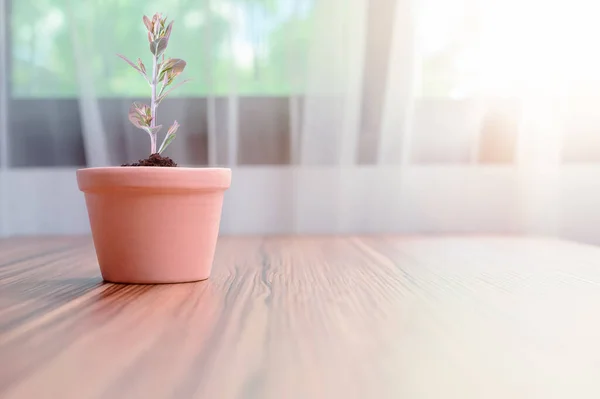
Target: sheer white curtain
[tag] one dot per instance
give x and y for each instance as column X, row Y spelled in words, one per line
column 338, row 116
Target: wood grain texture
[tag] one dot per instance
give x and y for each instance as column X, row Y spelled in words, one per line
column 308, row 317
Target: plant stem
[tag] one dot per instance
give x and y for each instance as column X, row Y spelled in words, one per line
column 153, row 105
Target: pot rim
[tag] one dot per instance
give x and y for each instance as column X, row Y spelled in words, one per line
column 153, row 178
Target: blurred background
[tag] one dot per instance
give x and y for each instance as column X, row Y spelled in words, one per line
column 337, row 116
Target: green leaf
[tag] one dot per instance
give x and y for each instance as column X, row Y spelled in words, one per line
column 168, row 30
column 171, row 67
column 165, row 94
column 137, row 68
column 166, row 143
column 147, row 23
column 129, row 62
column 139, row 115
column 141, row 66
column 158, row 46
column 169, row 137
column 173, row 128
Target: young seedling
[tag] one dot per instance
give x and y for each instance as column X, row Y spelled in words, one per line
column 164, row 72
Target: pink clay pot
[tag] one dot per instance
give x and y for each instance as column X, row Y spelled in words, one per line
column 154, row 224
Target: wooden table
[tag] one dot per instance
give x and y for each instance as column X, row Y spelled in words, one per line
column 308, row 317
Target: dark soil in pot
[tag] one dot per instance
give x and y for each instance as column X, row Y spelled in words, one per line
column 153, row 160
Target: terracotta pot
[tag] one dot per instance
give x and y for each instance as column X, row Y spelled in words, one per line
column 154, row 224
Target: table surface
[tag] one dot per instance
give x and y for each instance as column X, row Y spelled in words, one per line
column 308, row 317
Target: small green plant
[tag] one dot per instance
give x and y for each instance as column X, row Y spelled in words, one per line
column 164, row 72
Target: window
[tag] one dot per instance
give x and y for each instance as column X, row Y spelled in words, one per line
column 250, row 47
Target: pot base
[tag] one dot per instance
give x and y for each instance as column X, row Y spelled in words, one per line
column 153, row 283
